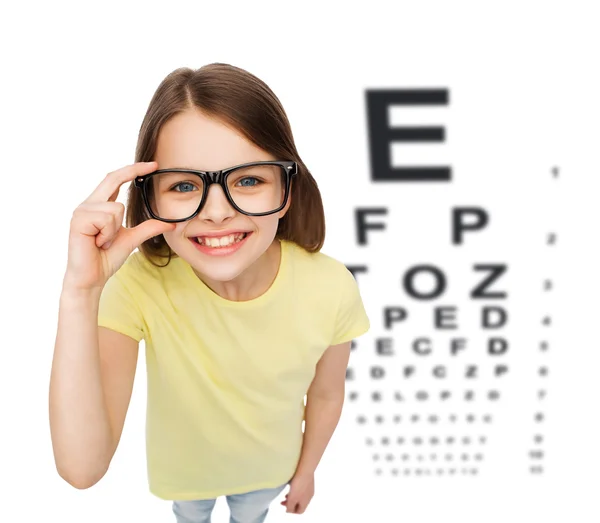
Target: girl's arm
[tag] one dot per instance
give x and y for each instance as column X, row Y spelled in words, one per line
column 324, row 402
column 93, row 368
column 90, row 389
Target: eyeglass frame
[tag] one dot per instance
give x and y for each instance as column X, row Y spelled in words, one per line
column 290, row 168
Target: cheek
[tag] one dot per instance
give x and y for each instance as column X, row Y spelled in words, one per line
column 178, row 234
column 266, row 224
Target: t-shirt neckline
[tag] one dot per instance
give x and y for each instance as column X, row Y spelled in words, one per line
column 212, row 295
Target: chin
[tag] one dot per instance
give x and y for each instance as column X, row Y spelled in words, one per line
column 226, row 274
column 221, row 268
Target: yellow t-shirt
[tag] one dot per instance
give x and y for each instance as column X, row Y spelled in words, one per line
column 226, row 379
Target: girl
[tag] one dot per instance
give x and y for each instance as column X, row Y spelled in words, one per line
column 242, row 316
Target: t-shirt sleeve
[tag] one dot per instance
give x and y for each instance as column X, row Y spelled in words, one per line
column 351, row 319
column 118, row 309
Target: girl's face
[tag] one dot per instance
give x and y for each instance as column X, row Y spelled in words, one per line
column 195, row 141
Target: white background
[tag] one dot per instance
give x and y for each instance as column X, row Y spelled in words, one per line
column 77, row 79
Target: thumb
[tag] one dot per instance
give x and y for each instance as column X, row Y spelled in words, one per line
column 135, row 236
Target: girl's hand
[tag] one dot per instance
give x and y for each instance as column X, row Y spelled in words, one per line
column 302, row 490
column 98, row 243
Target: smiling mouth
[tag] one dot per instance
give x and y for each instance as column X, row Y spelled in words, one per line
column 222, row 241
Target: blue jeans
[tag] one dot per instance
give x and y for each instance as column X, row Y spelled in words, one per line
column 249, row 507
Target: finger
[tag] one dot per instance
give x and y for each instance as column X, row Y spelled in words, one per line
column 108, row 189
column 110, row 207
column 90, row 223
column 132, row 238
column 102, row 219
column 108, row 233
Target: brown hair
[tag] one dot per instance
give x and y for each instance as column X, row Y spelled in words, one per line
column 244, row 101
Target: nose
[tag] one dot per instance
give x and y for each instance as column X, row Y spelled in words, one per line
column 216, row 208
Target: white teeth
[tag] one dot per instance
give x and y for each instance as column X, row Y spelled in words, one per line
column 223, row 241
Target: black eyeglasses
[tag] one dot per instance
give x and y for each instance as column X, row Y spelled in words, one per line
column 253, row 189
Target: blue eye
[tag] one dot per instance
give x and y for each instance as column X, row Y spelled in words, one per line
column 251, row 179
column 179, row 185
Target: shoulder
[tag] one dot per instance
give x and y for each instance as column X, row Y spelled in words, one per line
column 319, row 267
column 328, row 289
